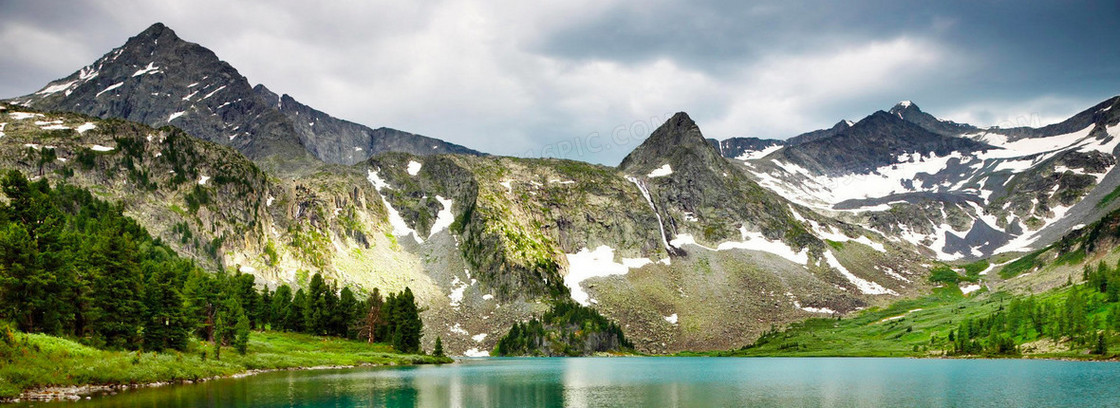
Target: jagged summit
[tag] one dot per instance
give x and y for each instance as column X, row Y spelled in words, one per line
column 875, row 141
column 905, row 108
column 156, row 31
column 819, row 134
column 159, row 79
column 677, row 140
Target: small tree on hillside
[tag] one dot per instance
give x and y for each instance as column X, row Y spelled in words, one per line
column 372, row 322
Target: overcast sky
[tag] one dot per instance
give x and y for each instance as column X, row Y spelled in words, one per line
column 530, row 78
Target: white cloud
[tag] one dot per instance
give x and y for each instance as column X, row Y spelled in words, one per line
column 779, row 96
column 1007, row 113
column 476, row 73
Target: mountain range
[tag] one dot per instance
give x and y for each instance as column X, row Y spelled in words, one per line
column 158, row 79
column 690, row 243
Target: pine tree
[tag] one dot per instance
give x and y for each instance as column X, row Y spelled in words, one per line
column 406, row 323
column 241, row 334
column 438, row 350
column 315, row 312
column 219, row 329
column 117, row 292
column 1100, row 347
column 263, row 313
column 203, row 293
column 281, row 307
column 372, row 321
column 166, row 324
column 347, row 315
column 243, row 285
column 294, row 320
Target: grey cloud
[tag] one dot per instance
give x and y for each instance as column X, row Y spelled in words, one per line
column 511, row 78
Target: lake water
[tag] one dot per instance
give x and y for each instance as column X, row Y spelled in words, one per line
column 658, row 382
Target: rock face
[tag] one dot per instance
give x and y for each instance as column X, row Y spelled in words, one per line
column 876, row 141
column 681, row 246
column 819, row 134
column 690, row 183
column 738, row 146
column 910, row 112
column 958, row 190
column 677, row 231
column 158, row 79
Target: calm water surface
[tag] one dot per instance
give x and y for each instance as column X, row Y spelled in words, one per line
column 659, row 382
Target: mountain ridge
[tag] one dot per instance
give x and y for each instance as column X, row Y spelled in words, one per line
column 159, row 79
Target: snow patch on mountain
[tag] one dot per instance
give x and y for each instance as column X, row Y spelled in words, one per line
column 750, row 240
column 458, row 288
column 413, row 167
column 649, row 200
column 109, row 88
column 53, row 89
column 213, row 92
column 969, row 288
column 758, row 154
column 150, row 69
column 587, row 264
column 444, row 218
column 400, row 227
column 865, row 286
column 661, row 171
column 24, row 115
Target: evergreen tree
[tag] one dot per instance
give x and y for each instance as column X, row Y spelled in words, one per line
column 117, row 292
column 1075, row 317
column 1100, row 347
column 166, row 324
column 347, row 315
column 203, row 293
column 281, row 307
column 295, row 317
column 438, row 350
column 243, row 285
column 241, row 334
column 373, row 320
column 315, row 311
column 406, row 323
column 219, row 329
column 263, row 313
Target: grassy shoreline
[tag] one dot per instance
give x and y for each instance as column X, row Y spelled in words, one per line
column 44, row 363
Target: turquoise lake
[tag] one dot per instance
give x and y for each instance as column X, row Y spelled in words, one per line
column 658, row 382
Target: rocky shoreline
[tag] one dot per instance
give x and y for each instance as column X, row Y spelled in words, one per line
column 80, row 392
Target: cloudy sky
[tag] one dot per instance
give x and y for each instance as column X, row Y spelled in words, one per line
column 589, row 79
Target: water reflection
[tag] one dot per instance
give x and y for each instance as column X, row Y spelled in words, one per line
column 657, row 382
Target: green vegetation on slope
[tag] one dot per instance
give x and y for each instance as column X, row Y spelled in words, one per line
column 36, row 360
column 567, row 329
column 74, row 266
column 1074, row 321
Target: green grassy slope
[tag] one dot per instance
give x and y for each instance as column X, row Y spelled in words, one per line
column 34, row 360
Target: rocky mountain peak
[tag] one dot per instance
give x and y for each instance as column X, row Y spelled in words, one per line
column 875, row 141
column 154, row 33
column 676, row 137
column 904, row 106
column 158, row 79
